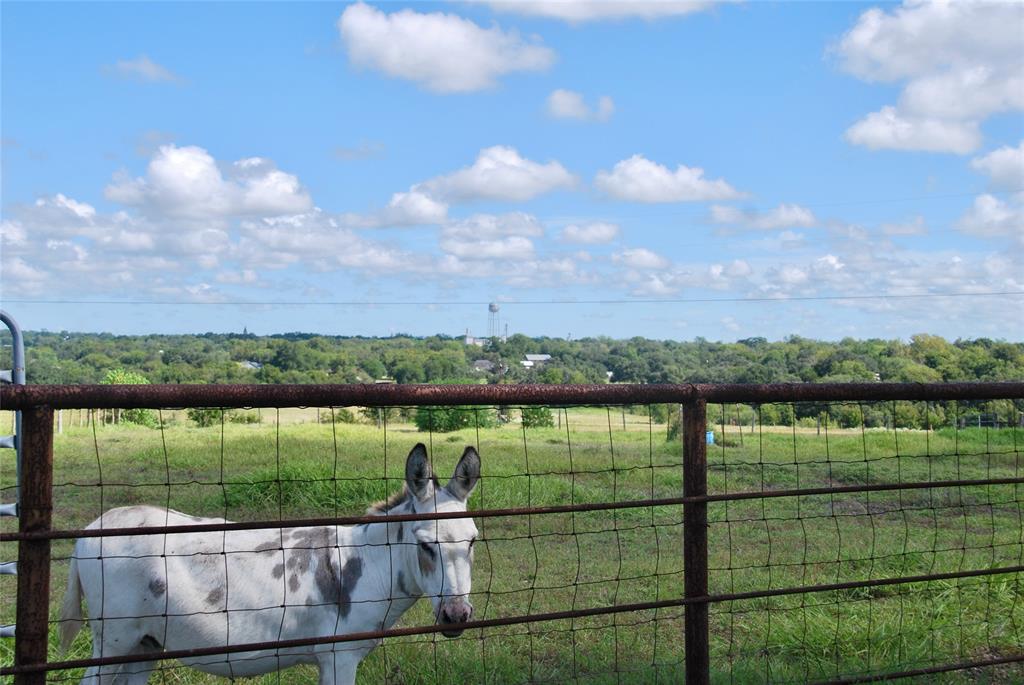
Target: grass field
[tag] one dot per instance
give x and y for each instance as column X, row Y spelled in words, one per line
column 290, row 466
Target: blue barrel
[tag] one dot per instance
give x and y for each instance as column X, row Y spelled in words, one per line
column 710, row 437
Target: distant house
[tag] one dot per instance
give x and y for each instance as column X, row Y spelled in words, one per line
column 532, row 361
column 249, row 365
column 484, row 366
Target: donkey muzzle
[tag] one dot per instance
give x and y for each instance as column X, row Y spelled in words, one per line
column 454, row 610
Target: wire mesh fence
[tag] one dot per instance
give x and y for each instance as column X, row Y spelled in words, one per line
column 845, row 541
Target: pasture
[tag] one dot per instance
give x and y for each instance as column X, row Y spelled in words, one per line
column 288, row 465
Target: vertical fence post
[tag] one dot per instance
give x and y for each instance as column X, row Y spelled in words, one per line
column 695, row 541
column 35, row 512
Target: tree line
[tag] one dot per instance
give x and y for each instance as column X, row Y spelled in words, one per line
column 75, row 358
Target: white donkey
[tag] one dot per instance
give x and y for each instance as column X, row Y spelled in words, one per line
column 149, row 593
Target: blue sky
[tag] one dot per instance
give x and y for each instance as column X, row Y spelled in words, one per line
column 662, row 169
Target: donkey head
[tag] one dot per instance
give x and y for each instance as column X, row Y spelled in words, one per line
column 443, row 548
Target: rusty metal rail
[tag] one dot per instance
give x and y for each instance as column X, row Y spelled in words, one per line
column 687, row 601
column 369, row 395
column 36, row 533
column 701, row 498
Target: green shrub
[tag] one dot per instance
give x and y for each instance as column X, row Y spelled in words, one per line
column 337, row 415
column 244, row 416
column 204, row 418
column 537, row 417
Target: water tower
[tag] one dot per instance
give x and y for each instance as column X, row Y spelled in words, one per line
column 493, row 320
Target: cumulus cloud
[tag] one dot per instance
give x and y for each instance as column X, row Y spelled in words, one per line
column 783, row 216
column 576, row 11
column 594, row 233
column 144, row 70
column 187, row 182
column 568, row 104
column 889, row 129
column 1004, row 166
column 500, row 173
column 318, row 239
column 442, row 52
column 638, row 179
column 411, row 208
column 991, row 217
column 489, row 236
column 961, row 62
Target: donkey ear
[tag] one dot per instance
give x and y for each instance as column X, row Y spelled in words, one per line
column 467, row 473
column 418, row 476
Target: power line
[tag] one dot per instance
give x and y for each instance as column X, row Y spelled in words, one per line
column 474, row 303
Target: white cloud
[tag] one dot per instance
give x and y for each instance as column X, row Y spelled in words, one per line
column 187, row 182
column 783, row 216
column 725, row 276
column 144, row 70
column 654, row 285
column 919, row 37
column 640, row 258
column 488, row 236
column 594, row 233
column 442, row 52
column 17, row 270
column 991, row 217
column 789, row 275
column 243, row 277
column 738, row 268
column 12, row 233
column 412, row 208
column 500, row 173
column 595, row 10
column 489, row 226
column 968, row 93
column 640, row 180
column 961, row 63
column 568, row 104
column 513, row 248
column 81, row 210
column 889, row 129
column 1004, row 166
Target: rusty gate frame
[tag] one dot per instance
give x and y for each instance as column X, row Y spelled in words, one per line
column 35, row 530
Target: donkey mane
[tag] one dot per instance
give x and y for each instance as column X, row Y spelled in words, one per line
column 396, row 499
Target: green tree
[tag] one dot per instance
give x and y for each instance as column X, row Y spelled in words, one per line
column 143, row 417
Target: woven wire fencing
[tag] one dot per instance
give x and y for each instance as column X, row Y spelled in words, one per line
column 844, row 541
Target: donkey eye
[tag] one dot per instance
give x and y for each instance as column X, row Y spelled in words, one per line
column 427, row 547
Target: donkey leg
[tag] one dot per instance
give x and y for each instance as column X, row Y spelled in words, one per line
column 117, row 639
column 338, row 668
